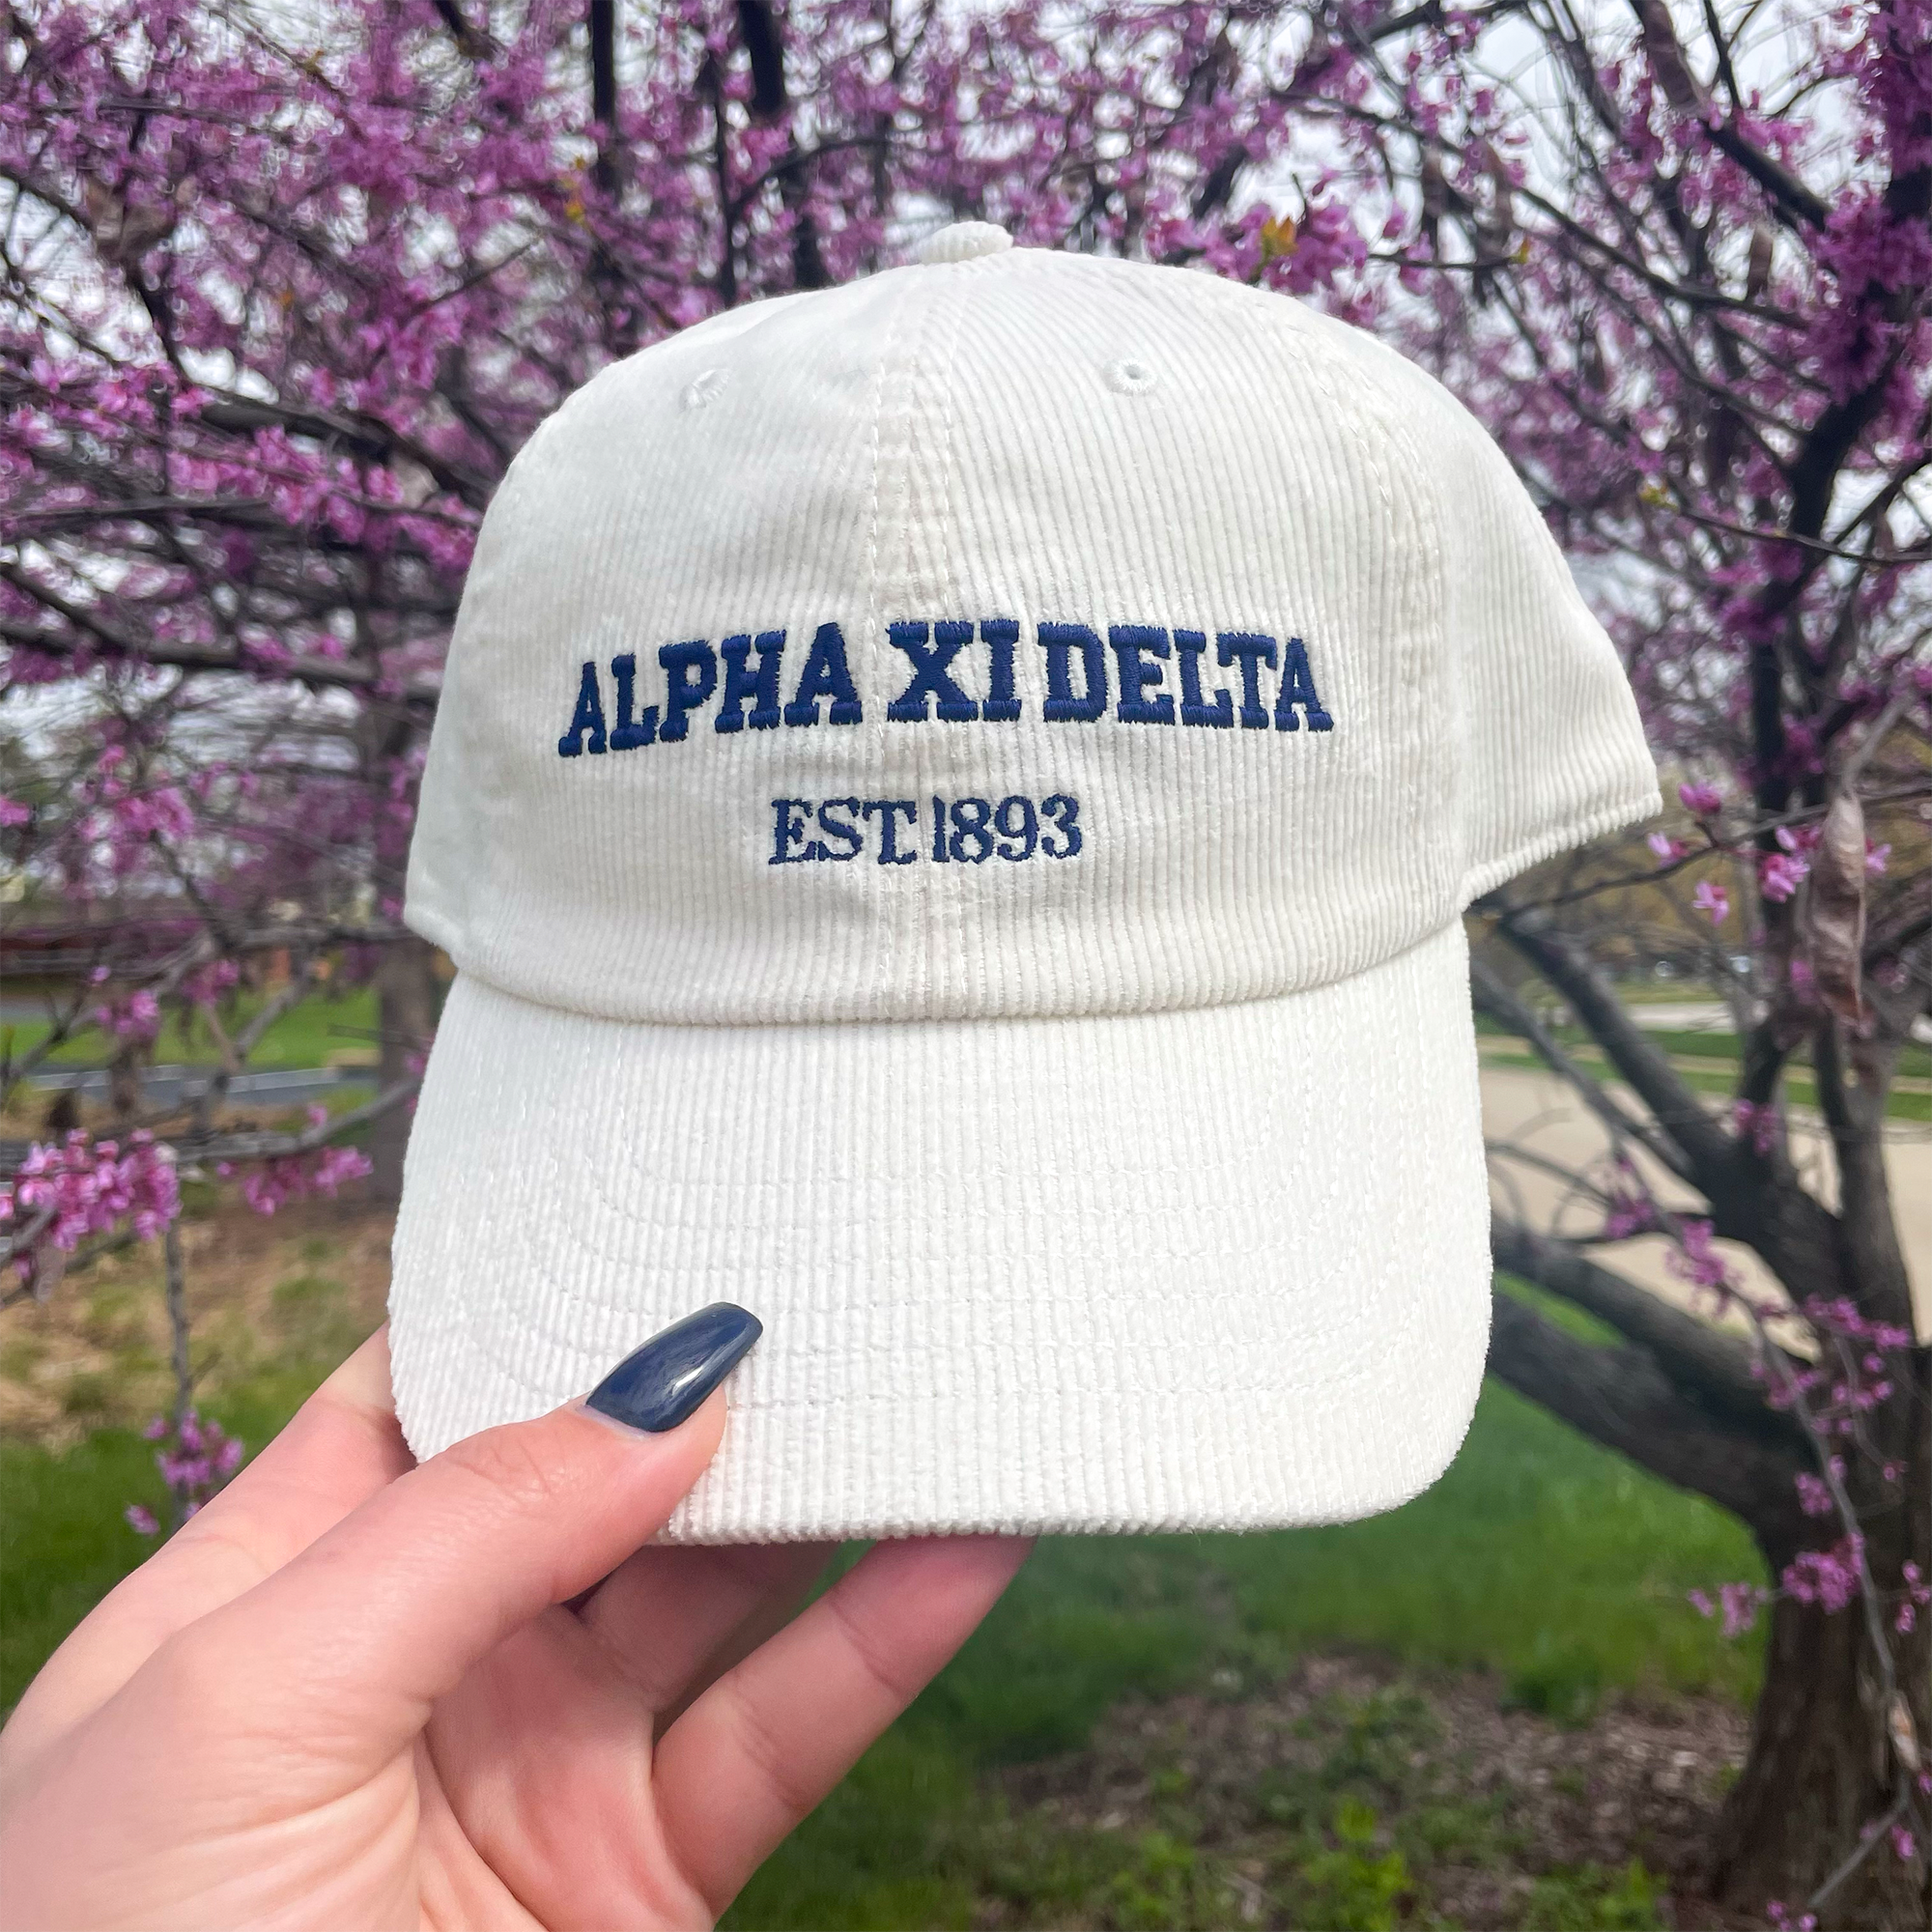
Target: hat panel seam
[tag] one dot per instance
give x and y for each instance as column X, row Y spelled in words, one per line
column 894, row 364
column 944, row 920
column 1434, row 689
column 892, row 532
column 1374, row 436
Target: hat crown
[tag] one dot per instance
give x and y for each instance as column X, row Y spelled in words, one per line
column 1016, row 633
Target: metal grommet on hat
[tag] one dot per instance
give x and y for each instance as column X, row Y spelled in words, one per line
column 960, row 849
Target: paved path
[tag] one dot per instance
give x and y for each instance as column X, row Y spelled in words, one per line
column 1672, row 1015
column 177, row 1085
column 1538, row 1112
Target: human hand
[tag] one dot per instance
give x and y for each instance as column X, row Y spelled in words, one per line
column 355, row 1691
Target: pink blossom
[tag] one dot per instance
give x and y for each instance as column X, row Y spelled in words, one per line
column 205, row 986
column 1713, row 900
column 1696, row 1258
column 1814, row 1494
column 1629, row 1209
column 274, row 1183
column 1779, row 875
column 196, row 1460
column 14, row 813
column 1829, row 1578
column 137, row 1017
column 1916, row 1595
column 1760, row 1123
column 1665, row 847
column 1626, row 1217
column 1738, row 1604
column 1703, row 801
column 91, row 1187
column 1840, row 1315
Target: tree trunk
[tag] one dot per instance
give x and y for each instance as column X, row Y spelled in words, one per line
column 124, row 1084
column 407, row 991
column 1822, row 1766
column 1831, row 1747
column 1821, row 1769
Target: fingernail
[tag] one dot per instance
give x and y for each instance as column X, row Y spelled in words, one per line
column 661, row 1384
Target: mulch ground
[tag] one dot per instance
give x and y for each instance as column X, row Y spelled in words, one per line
column 309, row 1281
column 1482, row 1801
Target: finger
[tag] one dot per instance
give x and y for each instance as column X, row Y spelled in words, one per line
column 379, row 1617
column 759, row 1748
column 667, row 1618
column 341, row 1447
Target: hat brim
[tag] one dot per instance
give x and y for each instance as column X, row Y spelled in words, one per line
column 1220, row 1267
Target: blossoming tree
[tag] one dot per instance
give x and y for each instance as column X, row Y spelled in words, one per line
column 1708, row 356
column 285, row 290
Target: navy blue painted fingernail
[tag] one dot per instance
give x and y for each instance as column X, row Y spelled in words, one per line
column 661, row 1384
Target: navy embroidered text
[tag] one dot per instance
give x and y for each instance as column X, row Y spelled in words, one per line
column 946, row 658
column 965, row 831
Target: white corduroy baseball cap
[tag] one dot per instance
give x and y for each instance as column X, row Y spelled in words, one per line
column 953, row 804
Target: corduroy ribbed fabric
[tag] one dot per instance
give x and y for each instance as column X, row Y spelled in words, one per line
column 952, row 803
column 1220, row 1267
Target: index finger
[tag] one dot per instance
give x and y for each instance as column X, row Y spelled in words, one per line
column 342, row 1448
column 762, row 1746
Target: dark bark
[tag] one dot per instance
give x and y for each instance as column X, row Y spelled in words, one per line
column 1840, row 1686
column 471, row 41
column 711, row 82
column 1854, row 1078
column 1622, row 1399
column 808, row 259
column 758, row 32
column 180, row 1358
column 1754, row 1200
column 1821, row 1768
column 1710, row 1367
column 602, row 25
column 407, row 991
column 1496, row 999
column 1675, row 1107
column 123, row 1085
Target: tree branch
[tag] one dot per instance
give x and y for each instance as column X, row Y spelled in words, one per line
column 315, row 672
column 1707, row 1149
column 758, row 34
column 1496, row 999
column 1620, row 1398
column 1712, row 1368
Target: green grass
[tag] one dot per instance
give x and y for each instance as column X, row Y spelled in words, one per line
column 1800, row 1087
column 1709, row 1043
column 63, row 1542
column 1537, row 1556
column 310, row 1033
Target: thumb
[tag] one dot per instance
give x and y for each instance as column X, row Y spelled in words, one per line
column 385, row 1613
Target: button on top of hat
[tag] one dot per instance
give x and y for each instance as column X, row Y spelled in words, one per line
column 963, row 241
